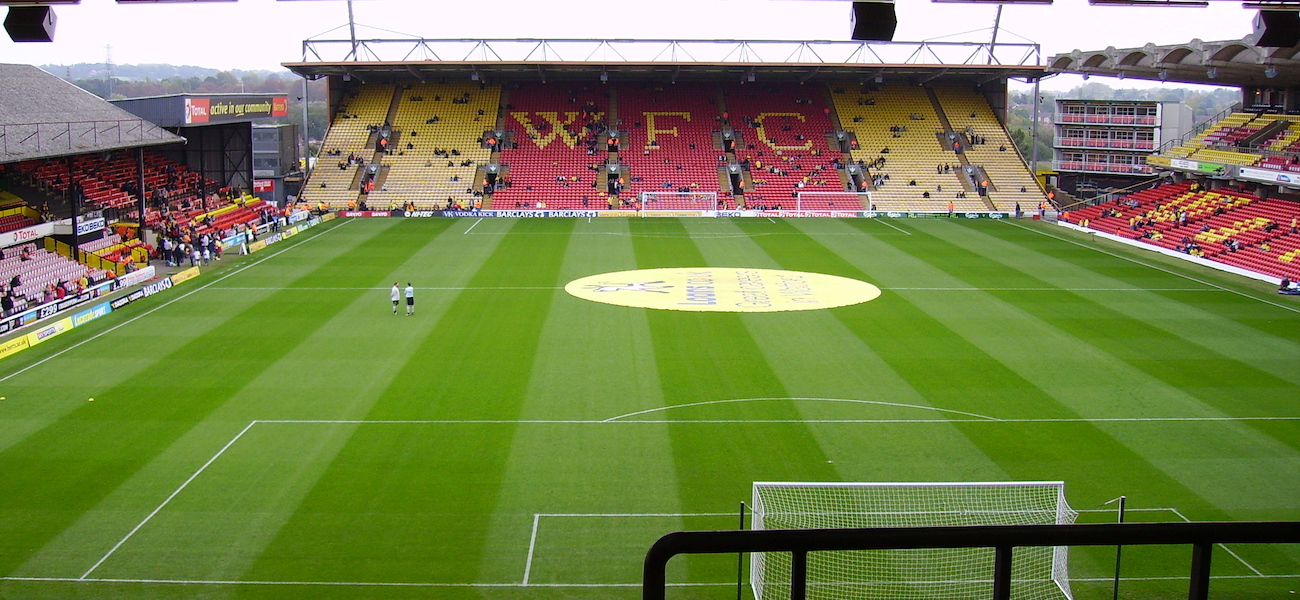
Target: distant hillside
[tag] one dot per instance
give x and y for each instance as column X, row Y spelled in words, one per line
column 155, row 72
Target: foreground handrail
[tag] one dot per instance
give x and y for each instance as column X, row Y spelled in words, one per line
column 1002, row 538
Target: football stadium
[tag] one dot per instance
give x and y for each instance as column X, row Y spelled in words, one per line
column 609, row 318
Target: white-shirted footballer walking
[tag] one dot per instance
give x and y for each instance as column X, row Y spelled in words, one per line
column 396, row 296
column 410, row 299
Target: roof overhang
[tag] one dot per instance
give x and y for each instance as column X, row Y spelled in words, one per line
column 1230, row 63
column 416, row 59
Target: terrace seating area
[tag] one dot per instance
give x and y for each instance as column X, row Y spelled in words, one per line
column 1228, row 226
column 41, row 270
column 898, row 123
column 1214, row 144
column 669, row 129
column 558, row 147
column 13, row 222
column 968, row 110
column 437, row 145
column 112, row 181
column 113, row 248
column 334, row 180
column 247, row 209
column 785, row 133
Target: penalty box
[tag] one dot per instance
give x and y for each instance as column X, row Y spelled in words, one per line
column 419, row 502
column 448, row 503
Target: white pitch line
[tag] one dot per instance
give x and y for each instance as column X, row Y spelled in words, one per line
column 471, row 227
column 773, row 421
column 637, row 515
column 687, row 236
column 846, row 400
column 168, row 500
column 353, row 289
column 894, row 227
column 895, row 289
column 532, row 545
column 350, row 583
column 515, row 585
column 1158, row 268
column 1046, row 289
column 1227, row 549
column 164, row 305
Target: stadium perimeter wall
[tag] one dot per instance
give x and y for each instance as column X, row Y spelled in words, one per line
column 589, row 214
column 295, row 224
column 1205, row 262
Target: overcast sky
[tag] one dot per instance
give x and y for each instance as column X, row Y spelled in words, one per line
column 261, row 34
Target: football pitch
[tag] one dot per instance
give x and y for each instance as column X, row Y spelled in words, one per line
column 272, row 430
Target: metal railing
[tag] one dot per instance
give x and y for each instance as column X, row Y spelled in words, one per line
column 1002, row 538
column 617, row 51
column 1198, row 128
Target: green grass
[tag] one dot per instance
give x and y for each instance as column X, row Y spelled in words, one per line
column 305, row 434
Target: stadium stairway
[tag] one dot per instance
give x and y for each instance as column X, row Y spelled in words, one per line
column 968, row 110
column 333, row 181
column 438, row 145
column 669, row 131
column 901, row 120
column 785, row 129
column 559, row 151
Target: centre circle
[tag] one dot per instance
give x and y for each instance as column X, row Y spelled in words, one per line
column 722, row 289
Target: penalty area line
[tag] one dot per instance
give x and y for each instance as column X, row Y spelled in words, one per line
column 894, row 227
column 169, row 498
column 419, row 584
column 622, row 420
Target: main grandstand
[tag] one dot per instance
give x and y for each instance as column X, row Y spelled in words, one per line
column 834, row 127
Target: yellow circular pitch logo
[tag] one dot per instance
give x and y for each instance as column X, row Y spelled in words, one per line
column 722, row 289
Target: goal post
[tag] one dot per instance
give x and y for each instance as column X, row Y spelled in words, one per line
column 652, row 201
column 925, row 574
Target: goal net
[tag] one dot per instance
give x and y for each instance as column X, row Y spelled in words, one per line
column 925, row 574
column 652, row 201
column 853, row 201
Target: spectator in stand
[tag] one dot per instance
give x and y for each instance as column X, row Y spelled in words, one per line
column 27, row 253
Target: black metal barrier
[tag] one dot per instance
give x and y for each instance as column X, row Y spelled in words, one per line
column 1002, row 538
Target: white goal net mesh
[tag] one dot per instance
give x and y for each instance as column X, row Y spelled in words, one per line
column 679, row 200
column 927, row 574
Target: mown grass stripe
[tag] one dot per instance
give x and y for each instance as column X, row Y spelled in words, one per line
column 399, row 504
column 967, row 378
column 1216, row 379
column 72, row 464
column 712, row 356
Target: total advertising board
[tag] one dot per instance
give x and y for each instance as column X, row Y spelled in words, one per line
column 26, row 234
column 223, row 108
